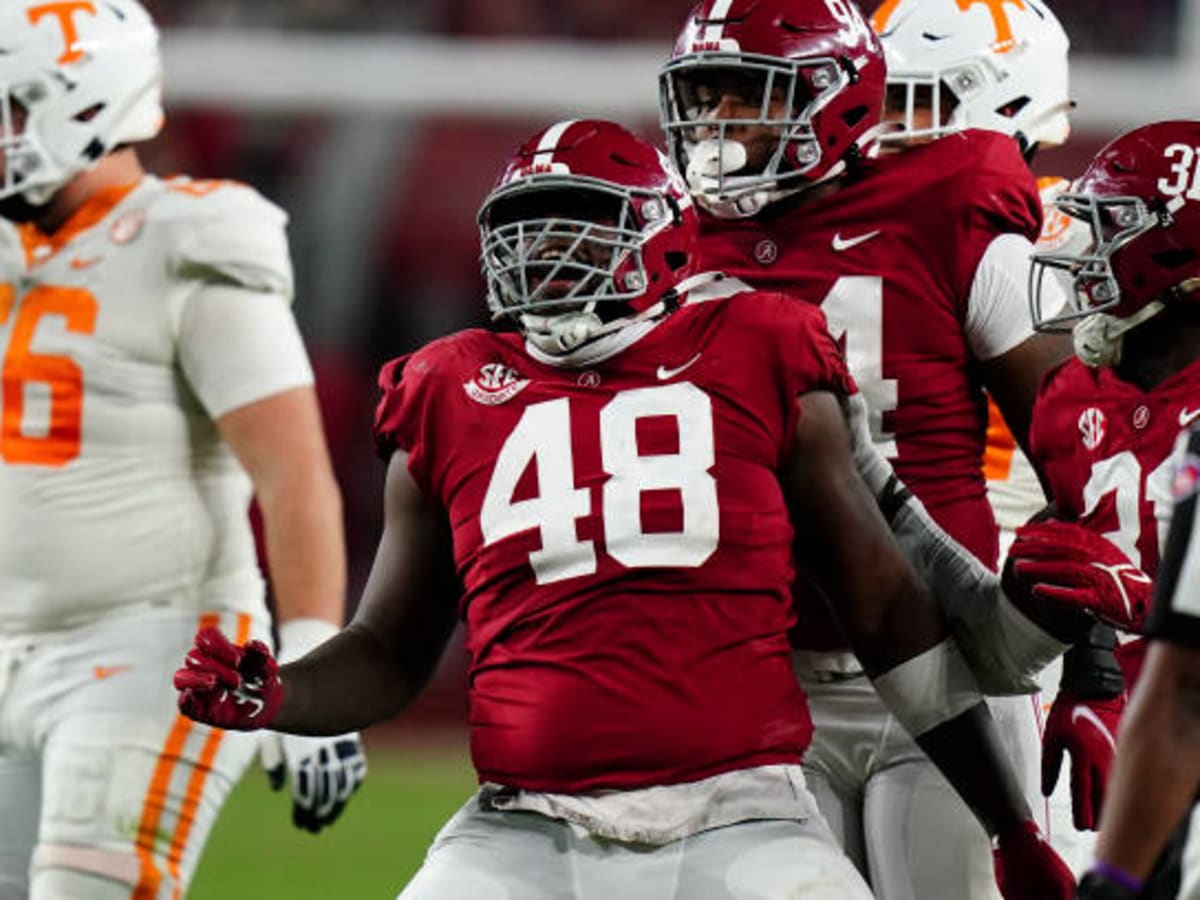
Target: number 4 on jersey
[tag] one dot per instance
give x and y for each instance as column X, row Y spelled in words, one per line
column 543, row 437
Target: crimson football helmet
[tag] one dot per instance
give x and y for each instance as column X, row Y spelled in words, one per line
column 588, row 231
column 1140, row 196
column 813, row 73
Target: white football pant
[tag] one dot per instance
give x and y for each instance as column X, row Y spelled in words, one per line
column 895, row 814
column 489, row 855
column 106, row 791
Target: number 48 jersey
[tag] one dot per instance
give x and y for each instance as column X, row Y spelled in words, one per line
column 622, row 539
column 1106, row 447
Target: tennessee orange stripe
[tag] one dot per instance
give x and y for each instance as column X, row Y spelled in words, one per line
column 998, row 454
column 149, row 877
column 195, row 785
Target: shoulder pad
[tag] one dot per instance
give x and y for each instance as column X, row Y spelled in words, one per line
column 227, row 232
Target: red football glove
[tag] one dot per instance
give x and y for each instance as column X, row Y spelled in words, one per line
column 1087, row 729
column 1071, row 568
column 1027, row 868
column 229, row 686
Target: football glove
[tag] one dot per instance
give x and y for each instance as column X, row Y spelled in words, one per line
column 1086, row 728
column 322, row 771
column 1027, row 868
column 229, row 686
column 1066, row 570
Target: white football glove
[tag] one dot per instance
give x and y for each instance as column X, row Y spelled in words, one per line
column 323, row 771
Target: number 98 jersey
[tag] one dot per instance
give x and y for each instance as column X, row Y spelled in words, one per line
column 622, row 539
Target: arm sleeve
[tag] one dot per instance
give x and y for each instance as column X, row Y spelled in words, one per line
column 238, row 345
column 998, row 315
column 1175, row 616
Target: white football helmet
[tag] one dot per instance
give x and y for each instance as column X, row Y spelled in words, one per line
column 1000, row 64
column 77, row 79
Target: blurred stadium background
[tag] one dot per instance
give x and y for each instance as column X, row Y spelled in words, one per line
column 379, row 125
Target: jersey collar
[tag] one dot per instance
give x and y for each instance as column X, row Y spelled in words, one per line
column 40, row 246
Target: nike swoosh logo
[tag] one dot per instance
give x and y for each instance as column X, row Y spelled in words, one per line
column 103, row 672
column 665, row 374
column 85, row 263
column 1082, row 712
column 840, row 243
column 1188, row 416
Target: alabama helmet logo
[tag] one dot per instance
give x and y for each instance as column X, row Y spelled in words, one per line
column 1092, row 426
column 495, row 383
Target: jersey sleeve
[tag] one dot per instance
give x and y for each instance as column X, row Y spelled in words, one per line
column 238, row 341
column 228, row 233
column 402, row 417
column 994, row 194
column 236, row 347
column 812, row 359
column 998, row 315
column 1175, row 616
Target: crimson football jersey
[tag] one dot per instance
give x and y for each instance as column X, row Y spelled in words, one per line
column 891, row 256
column 1105, row 446
column 622, row 539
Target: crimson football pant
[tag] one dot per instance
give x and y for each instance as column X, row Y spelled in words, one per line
column 491, row 855
column 894, row 813
column 105, row 789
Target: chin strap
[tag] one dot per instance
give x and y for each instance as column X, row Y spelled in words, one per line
column 1100, row 337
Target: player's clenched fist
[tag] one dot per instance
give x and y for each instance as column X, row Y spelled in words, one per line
column 227, row 685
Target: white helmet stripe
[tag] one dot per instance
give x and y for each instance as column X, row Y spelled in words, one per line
column 720, row 9
column 549, row 142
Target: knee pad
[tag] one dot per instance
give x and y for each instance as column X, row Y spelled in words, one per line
column 65, row 872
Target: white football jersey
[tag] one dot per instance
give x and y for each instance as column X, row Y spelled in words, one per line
column 115, row 486
column 1013, row 487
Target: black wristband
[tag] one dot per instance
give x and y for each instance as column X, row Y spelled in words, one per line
column 1090, row 668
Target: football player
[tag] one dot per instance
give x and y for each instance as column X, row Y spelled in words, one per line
column 618, row 478
column 152, row 376
column 919, row 261
column 1106, row 421
column 950, row 69
column 1152, row 790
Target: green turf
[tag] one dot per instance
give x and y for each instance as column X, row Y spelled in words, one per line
column 255, row 853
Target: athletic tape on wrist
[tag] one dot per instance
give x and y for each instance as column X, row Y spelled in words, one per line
column 298, row 636
column 929, row 689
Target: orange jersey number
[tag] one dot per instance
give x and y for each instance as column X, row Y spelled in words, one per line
column 60, row 444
